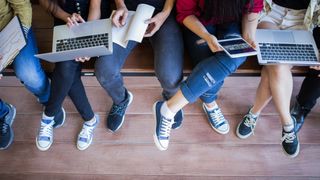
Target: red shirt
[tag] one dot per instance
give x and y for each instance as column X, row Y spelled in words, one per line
column 186, row 8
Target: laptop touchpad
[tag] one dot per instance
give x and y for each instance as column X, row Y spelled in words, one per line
column 283, row 37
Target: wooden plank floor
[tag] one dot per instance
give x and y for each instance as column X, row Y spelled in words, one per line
column 195, row 151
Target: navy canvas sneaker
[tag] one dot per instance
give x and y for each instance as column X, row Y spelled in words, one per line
column 178, row 120
column 217, row 120
column 116, row 115
column 6, row 131
column 290, row 142
column 162, row 129
column 246, row 126
column 59, row 118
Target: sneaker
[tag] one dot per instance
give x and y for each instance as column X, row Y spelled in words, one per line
column 290, row 142
column 45, row 136
column 246, row 126
column 217, row 120
column 299, row 113
column 59, row 118
column 6, row 131
column 162, row 128
column 178, row 120
column 86, row 135
column 116, row 115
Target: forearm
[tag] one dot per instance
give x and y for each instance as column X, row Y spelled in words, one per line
column 55, row 10
column 94, row 10
column 120, row 4
column 249, row 25
column 168, row 6
column 193, row 24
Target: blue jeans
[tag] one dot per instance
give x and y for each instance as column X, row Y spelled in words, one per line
column 29, row 71
column 210, row 69
column 168, row 57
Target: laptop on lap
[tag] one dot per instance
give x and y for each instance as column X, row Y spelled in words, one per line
column 89, row 39
column 296, row 47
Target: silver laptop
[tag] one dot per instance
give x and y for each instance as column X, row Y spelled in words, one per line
column 89, row 39
column 296, row 47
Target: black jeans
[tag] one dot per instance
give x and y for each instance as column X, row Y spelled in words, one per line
column 310, row 90
column 66, row 80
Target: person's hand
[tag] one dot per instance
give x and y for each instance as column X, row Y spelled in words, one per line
column 82, row 59
column 316, row 68
column 250, row 40
column 119, row 17
column 74, row 20
column 213, row 43
column 155, row 23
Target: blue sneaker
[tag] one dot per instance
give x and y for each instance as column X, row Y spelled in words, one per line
column 162, row 129
column 217, row 120
column 86, row 135
column 116, row 115
column 6, row 131
column 246, row 126
column 178, row 120
column 44, row 139
column 59, row 118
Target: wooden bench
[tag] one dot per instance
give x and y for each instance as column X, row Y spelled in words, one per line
column 140, row 61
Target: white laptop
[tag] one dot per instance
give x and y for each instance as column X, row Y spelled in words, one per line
column 296, row 47
column 89, row 39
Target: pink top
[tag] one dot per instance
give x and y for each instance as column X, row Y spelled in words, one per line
column 186, row 8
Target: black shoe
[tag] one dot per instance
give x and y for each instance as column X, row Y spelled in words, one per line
column 59, row 118
column 290, row 142
column 6, row 131
column 116, row 115
column 178, row 120
column 299, row 113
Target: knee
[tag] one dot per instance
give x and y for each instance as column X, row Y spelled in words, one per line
column 170, row 81
column 37, row 81
column 278, row 72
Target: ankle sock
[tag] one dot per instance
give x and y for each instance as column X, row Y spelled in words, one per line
column 166, row 112
column 253, row 114
column 47, row 117
column 288, row 128
column 91, row 122
column 211, row 108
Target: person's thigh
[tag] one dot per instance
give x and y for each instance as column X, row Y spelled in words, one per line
column 197, row 48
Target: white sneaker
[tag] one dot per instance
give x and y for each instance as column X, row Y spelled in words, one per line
column 86, row 135
column 45, row 136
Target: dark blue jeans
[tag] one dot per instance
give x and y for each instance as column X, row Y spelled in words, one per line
column 210, row 69
column 168, row 57
column 66, row 80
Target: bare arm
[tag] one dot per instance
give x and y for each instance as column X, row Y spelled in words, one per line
column 55, row 11
column 193, row 23
column 94, row 10
column 249, row 27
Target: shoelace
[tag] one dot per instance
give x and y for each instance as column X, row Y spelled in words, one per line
column 86, row 131
column 165, row 127
column 250, row 122
column 217, row 116
column 118, row 109
column 288, row 137
column 4, row 128
column 46, row 130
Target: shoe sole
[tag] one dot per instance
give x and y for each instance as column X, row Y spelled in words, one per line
column 64, row 119
column 11, row 130
column 42, row 148
column 217, row 130
column 292, row 155
column 86, row 147
column 241, row 136
column 155, row 138
column 130, row 101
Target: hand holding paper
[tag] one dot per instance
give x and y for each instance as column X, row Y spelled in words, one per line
column 135, row 26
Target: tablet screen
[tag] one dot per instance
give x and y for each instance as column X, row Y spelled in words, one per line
column 236, row 46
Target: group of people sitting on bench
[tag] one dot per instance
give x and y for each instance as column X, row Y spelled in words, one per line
column 194, row 24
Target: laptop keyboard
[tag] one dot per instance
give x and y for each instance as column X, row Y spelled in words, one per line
column 287, row 52
column 82, row 42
